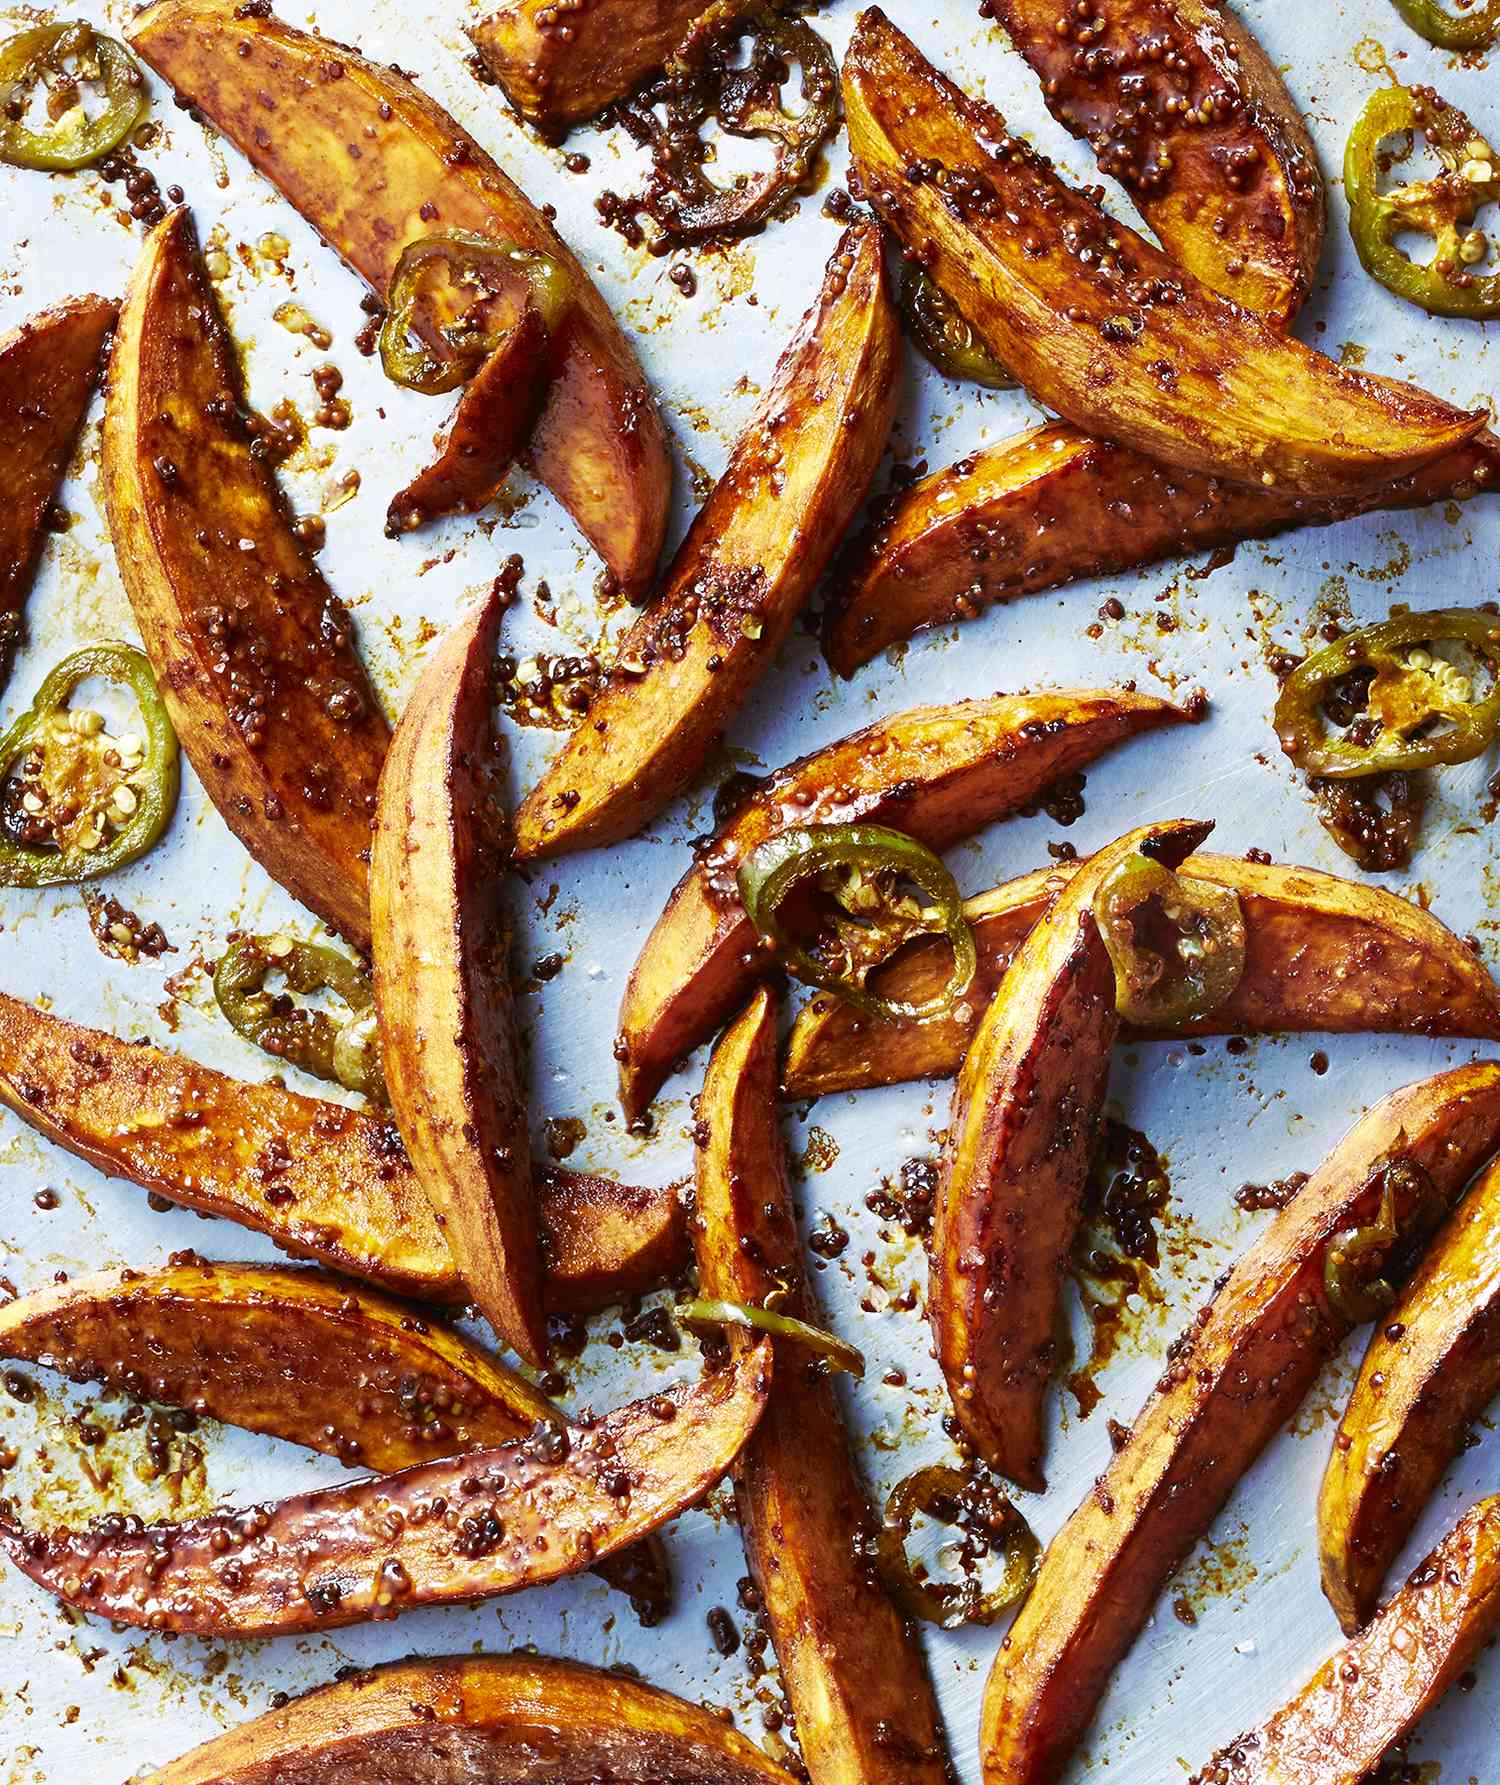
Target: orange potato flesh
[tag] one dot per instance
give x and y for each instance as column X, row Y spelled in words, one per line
column 850, row 1663
column 508, row 1719
column 325, row 1182
column 1236, row 1375
column 1323, row 955
column 373, row 164
column 756, row 548
column 253, row 652
column 940, row 773
column 1096, row 322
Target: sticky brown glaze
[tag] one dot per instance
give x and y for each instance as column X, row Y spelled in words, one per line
column 1099, row 324
column 1181, row 105
column 1321, row 955
column 254, row 653
column 323, row 1181
column 1372, row 1694
column 939, row 773
column 492, row 1522
column 755, row 549
column 1051, row 506
column 373, row 164
column 456, row 1720
column 48, row 369
column 851, row 1665
column 1233, row 1379
column 1432, row 1366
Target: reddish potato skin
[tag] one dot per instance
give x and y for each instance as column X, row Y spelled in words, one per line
column 300, row 107
column 851, row 1664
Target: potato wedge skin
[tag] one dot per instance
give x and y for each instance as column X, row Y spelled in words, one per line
column 49, row 366
column 519, row 1520
column 1253, row 235
column 1098, row 323
column 755, row 549
column 938, row 772
column 253, row 652
column 1051, row 505
column 323, row 1181
column 1324, row 955
column 294, row 103
column 518, row 1719
column 1432, row 1366
column 851, row 1665
column 1366, row 1698
column 442, row 984
column 1238, row 1372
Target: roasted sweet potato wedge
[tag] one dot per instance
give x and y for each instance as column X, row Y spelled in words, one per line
column 1432, row 1366
column 1051, row 505
column 1321, row 955
column 324, row 1182
column 442, row 979
column 852, row 1667
column 1098, row 323
column 758, row 545
column 1025, row 1110
column 1182, row 107
column 253, row 652
column 48, row 369
column 507, row 1719
column 373, row 164
column 1372, row 1694
column 940, row 773
column 1237, row 1374
column 493, row 1521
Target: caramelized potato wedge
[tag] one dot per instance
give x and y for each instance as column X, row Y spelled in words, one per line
column 373, row 163
column 479, row 1716
column 1049, row 506
column 48, row 369
column 851, row 1665
column 1432, row 1366
column 1237, row 1375
column 1025, row 1110
column 442, row 980
column 940, row 773
column 1368, row 1697
column 253, row 652
column 489, row 1522
column 323, row 1181
column 1198, row 128
column 1096, row 322
column 756, row 548
column 1323, row 955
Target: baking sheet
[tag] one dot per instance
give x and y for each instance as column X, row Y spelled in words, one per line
column 79, row 1700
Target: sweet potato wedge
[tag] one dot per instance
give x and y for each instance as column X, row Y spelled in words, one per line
column 1198, row 128
column 507, row 1719
column 851, row 1665
column 1025, row 1110
column 253, row 652
column 1051, row 505
column 373, row 164
column 1323, row 955
column 756, row 548
column 1236, row 1375
column 325, row 1182
column 491, row 1522
column 1373, row 1693
column 1098, row 323
column 48, row 369
column 442, row 980
column 940, row 773
column 1432, row 1366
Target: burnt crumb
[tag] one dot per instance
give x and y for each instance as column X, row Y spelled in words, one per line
column 654, row 1326
column 721, row 1628
column 1275, row 1195
column 120, row 933
column 908, row 1201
